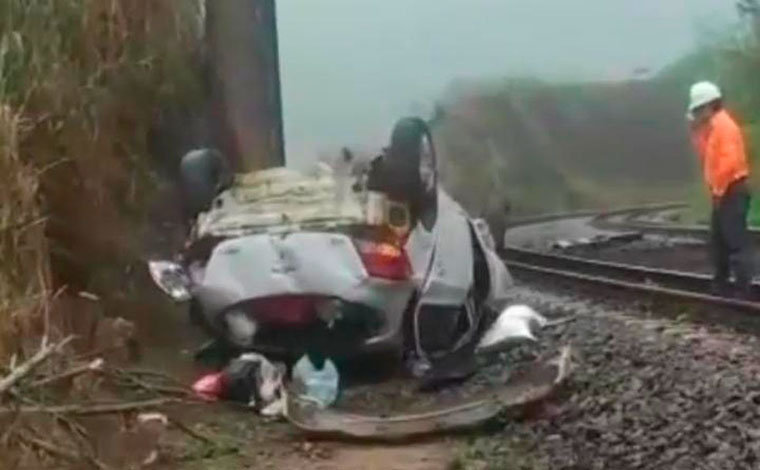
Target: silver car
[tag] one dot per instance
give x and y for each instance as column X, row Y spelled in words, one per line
column 342, row 261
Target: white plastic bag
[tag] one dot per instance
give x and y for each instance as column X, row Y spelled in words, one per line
column 515, row 323
column 320, row 385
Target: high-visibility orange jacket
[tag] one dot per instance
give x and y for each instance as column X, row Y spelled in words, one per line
column 720, row 145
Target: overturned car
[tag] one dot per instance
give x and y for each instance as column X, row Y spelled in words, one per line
column 282, row 262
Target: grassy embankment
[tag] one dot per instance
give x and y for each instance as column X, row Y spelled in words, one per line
column 550, row 147
column 82, row 83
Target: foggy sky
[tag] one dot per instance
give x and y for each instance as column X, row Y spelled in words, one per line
column 351, row 67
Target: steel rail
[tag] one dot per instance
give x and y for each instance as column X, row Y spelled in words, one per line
column 700, row 232
column 662, row 282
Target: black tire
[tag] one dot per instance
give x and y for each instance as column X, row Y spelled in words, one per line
column 402, row 167
column 203, row 174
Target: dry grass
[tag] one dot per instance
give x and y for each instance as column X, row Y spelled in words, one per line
column 81, row 83
column 24, row 265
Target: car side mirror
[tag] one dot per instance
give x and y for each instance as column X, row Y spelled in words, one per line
column 171, row 278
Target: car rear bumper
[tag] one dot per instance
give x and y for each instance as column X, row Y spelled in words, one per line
column 294, row 324
column 244, row 272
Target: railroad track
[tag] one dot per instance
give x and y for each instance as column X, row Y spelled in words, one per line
column 626, row 220
column 609, row 216
column 676, row 285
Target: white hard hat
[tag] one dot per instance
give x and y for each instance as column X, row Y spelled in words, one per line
column 703, row 93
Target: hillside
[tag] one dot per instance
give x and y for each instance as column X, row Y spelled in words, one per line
column 563, row 146
column 559, row 146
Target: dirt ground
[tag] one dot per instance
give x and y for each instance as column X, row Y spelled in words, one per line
column 232, row 437
column 242, row 439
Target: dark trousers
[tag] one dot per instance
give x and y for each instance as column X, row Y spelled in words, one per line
column 731, row 247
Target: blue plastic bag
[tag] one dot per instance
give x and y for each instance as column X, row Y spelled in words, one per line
column 320, row 385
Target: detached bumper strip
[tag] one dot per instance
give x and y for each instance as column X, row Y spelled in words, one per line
column 536, row 384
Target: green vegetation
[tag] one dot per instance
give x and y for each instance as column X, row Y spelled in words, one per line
column 82, row 82
column 549, row 147
column 734, row 63
column 553, row 147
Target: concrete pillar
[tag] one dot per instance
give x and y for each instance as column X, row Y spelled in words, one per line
column 245, row 82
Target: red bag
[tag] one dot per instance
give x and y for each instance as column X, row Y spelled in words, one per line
column 210, row 387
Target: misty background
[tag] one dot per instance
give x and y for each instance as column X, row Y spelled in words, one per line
column 350, row 68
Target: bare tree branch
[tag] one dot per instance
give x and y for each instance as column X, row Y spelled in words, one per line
column 27, row 367
column 93, row 409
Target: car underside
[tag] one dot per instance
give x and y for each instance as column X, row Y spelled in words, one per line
column 282, row 261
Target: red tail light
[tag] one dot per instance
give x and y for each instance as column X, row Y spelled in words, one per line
column 384, row 260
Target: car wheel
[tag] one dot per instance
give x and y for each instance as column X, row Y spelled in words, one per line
column 203, row 174
column 410, row 166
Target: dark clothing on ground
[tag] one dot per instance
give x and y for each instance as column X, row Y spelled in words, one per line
column 498, row 225
column 731, row 246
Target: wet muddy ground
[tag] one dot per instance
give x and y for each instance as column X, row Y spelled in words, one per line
column 240, row 439
column 245, row 440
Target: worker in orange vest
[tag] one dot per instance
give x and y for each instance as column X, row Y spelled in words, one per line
column 718, row 140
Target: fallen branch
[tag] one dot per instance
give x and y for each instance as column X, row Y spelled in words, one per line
column 536, row 384
column 76, row 430
column 153, row 373
column 27, row 367
column 59, row 452
column 10, row 430
column 79, row 434
column 158, row 389
column 93, row 409
column 102, row 351
column 48, row 447
column 93, row 366
column 190, row 432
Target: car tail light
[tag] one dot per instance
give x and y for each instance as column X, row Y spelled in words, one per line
column 384, row 260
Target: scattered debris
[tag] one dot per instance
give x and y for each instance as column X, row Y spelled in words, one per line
column 250, row 379
column 451, row 369
column 537, row 383
column 562, row 244
column 253, row 380
column 316, row 384
column 515, row 323
column 596, row 240
column 47, row 415
column 210, row 387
